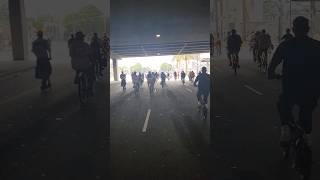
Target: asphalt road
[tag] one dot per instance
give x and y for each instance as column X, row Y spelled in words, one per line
column 173, row 145
column 51, row 136
column 247, row 127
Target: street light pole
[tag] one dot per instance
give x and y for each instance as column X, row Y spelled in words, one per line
column 290, row 14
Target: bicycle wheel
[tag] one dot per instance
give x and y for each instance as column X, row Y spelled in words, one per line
column 234, row 64
column 204, row 112
column 83, row 89
column 303, row 159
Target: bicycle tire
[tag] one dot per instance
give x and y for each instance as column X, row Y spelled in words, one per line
column 303, row 159
column 83, row 89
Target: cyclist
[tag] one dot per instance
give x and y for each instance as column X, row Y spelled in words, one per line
column 70, row 40
column 96, row 46
column 175, row 75
column 183, row 76
column 234, row 43
column 163, row 78
column 287, row 36
column 300, row 78
column 135, row 80
column 168, row 76
column 81, row 60
column 203, row 80
column 264, row 45
column 105, row 51
column 254, row 45
column 149, row 78
column 123, row 80
column 41, row 49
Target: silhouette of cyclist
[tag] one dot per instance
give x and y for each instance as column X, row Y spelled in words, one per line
column 42, row 50
column 234, row 43
column 287, row 36
column 203, row 80
column 300, row 78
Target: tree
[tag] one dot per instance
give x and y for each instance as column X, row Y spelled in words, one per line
column 185, row 58
column 137, row 67
column 88, row 19
column 166, row 67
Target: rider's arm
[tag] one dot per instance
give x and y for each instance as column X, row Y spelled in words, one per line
column 195, row 81
column 276, row 60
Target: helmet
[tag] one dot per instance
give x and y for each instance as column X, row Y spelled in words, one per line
column 204, row 69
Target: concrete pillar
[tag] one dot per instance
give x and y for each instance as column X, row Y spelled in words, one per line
column 115, row 69
column 18, row 29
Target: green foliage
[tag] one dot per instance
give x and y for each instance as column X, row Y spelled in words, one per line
column 88, row 19
column 137, row 67
column 166, row 67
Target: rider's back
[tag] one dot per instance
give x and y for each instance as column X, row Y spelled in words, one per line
column 264, row 41
column 203, row 80
column 301, row 64
column 80, row 55
column 234, row 42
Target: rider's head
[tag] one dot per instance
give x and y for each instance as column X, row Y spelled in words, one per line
column 80, row 35
column 300, row 26
column 204, row 69
column 233, row 31
column 40, row 34
column 263, row 31
column 121, row 72
column 288, row 30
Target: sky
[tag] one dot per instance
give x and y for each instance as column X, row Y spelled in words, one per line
column 58, row 7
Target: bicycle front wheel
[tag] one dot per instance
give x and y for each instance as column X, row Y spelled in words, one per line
column 83, row 90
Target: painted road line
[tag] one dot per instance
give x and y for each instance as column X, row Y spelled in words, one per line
column 144, row 129
column 253, row 90
column 189, row 90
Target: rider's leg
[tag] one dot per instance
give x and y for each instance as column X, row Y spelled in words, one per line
column 305, row 114
column 229, row 58
column 199, row 97
column 237, row 58
column 285, row 106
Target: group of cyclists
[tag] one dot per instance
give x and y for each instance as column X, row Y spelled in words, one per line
column 202, row 79
column 300, row 58
column 89, row 58
column 261, row 46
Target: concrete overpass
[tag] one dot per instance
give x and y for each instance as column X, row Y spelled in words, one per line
column 183, row 27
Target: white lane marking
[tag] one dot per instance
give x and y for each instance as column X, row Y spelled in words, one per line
column 189, row 90
column 144, row 129
column 253, row 90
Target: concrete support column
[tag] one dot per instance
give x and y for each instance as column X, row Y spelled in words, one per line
column 18, row 29
column 115, row 69
column 213, row 27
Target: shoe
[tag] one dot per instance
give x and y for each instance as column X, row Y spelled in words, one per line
column 285, row 135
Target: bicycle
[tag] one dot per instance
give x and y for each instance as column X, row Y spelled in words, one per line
column 298, row 148
column 136, row 88
column 183, row 81
column 203, row 111
column 263, row 63
column 163, row 83
column 151, row 88
column 235, row 62
column 83, row 87
column 123, row 84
